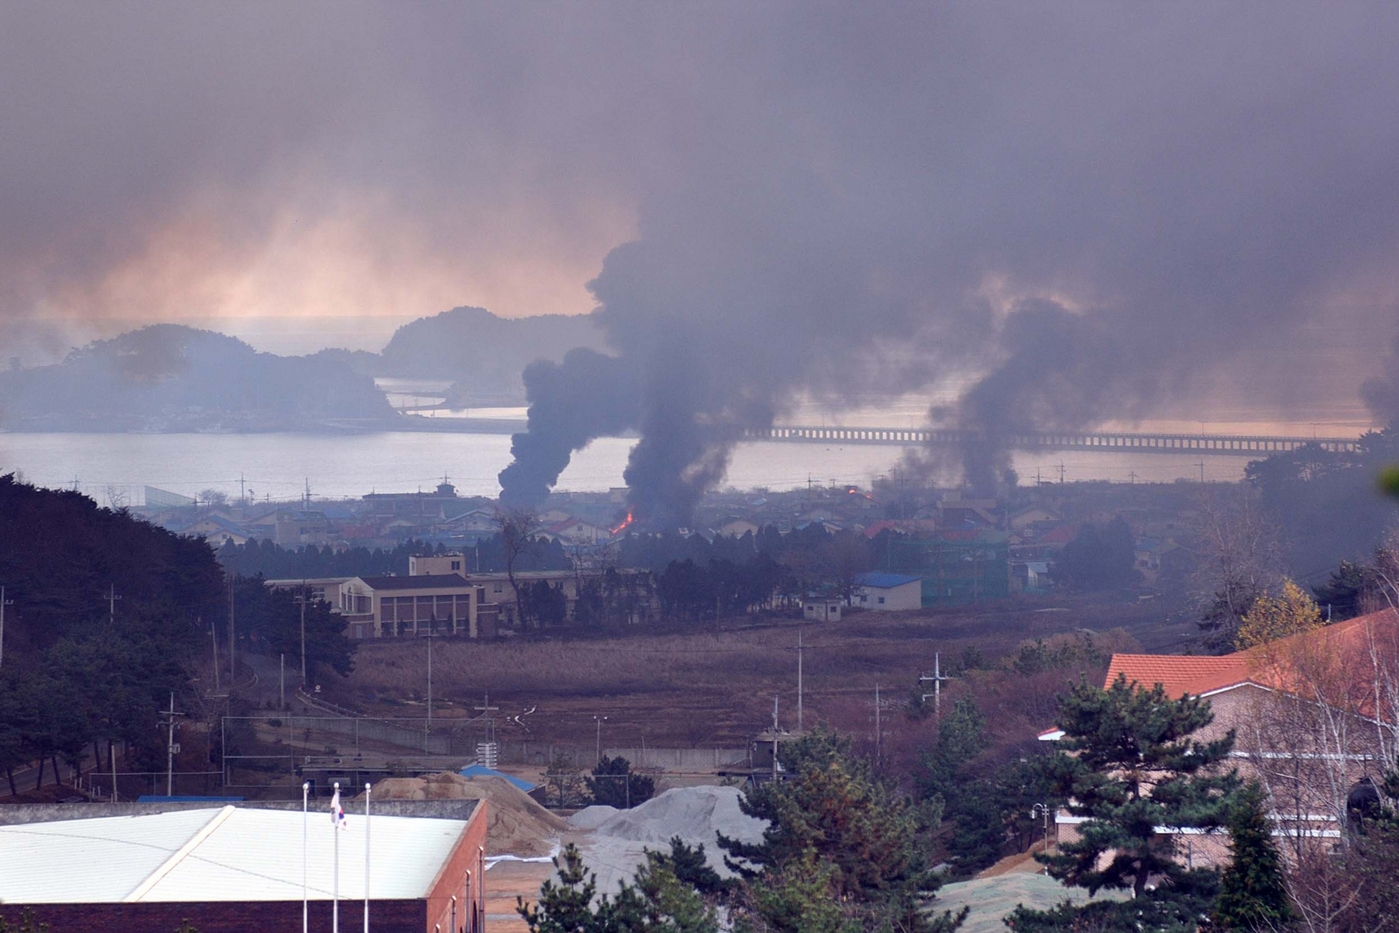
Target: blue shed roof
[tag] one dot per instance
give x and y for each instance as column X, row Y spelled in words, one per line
column 483, row 771
column 885, row 581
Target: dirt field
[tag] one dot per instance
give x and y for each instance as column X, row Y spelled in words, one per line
column 713, row 686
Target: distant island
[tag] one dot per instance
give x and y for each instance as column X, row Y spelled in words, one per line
column 169, row 378
column 482, row 354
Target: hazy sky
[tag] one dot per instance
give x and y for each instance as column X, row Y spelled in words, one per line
column 1211, row 183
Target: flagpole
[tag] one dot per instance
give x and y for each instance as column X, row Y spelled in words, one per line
column 367, row 788
column 335, row 910
column 305, row 918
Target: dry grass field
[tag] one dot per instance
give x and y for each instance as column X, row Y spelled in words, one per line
column 714, row 687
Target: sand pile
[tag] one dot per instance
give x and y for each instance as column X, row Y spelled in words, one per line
column 516, row 825
column 614, row 841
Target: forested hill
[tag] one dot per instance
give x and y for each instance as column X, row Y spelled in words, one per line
column 482, row 353
column 168, row 377
column 62, row 557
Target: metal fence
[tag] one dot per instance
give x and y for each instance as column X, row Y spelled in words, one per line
column 132, row 784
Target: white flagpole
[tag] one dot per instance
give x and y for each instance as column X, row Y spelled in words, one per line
column 305, row 918
column 335, row 910
column 367, row 788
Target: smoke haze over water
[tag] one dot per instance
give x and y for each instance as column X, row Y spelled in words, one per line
column 1093, row 207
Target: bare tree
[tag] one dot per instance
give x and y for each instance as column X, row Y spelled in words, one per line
column 1241, row 559
column 517, row 529
column 842, row 560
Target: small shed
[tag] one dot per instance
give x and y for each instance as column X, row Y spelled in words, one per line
column 821, row 609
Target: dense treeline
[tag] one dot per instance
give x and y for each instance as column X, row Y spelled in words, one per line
column 108, row 615
column 61, row 557
column 1328, row 504
column 698, row 578
column 79, row 666
column 278, row 563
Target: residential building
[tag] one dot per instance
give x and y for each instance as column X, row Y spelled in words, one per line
column 1315, row 715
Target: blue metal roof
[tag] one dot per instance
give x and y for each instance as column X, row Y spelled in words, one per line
column 885, row 581
column 483, row 771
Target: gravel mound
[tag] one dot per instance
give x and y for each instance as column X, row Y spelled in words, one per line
column 590, row 818
column 516, row 825
column 695, row 814
column 614, row 842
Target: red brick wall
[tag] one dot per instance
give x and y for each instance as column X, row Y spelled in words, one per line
column 452, row 880
column 398, row 916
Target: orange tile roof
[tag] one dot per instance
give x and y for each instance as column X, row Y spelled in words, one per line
column 1180, row 674
column 1193, row 675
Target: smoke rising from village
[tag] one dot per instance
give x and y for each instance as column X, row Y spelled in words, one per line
column 1082, row 209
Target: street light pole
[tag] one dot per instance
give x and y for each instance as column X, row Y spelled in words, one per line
column 599, row 720
column 1043, row 809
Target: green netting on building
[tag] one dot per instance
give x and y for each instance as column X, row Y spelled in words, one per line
column 953, row 571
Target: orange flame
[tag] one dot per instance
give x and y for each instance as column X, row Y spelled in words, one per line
column 623, row 527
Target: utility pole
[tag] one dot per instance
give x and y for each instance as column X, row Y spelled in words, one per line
column 242, row 495
column 282, row 681
column 112, row 598
column 3, row 603
column 1061, row 472
column 775, row 698
column 1132, row 478
column 304, row 681
column 799, row 651
column 1202, row 471
column 485, row 710
column 214, row 640
column 599, row 720
column 430, row 634
column 170, row 747
column 232, row 655
column 936, row 679
column 878, row 731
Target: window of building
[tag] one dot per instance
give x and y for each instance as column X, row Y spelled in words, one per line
column 495, row 588
column 881, row 600
column 456, row 565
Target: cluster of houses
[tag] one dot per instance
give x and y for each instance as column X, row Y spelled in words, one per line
column 376, row 520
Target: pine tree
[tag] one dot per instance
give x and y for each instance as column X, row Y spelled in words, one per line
column 872, row 842
column 1253, row 891
column 1130, row 767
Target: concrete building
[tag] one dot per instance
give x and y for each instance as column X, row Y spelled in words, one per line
column 233, row 869
column 436, row 604
column 392, row 607
column 888, row 592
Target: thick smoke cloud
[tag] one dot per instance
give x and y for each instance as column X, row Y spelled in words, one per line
column 1083, row 209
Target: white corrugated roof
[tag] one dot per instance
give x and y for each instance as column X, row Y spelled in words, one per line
column 215, row 855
